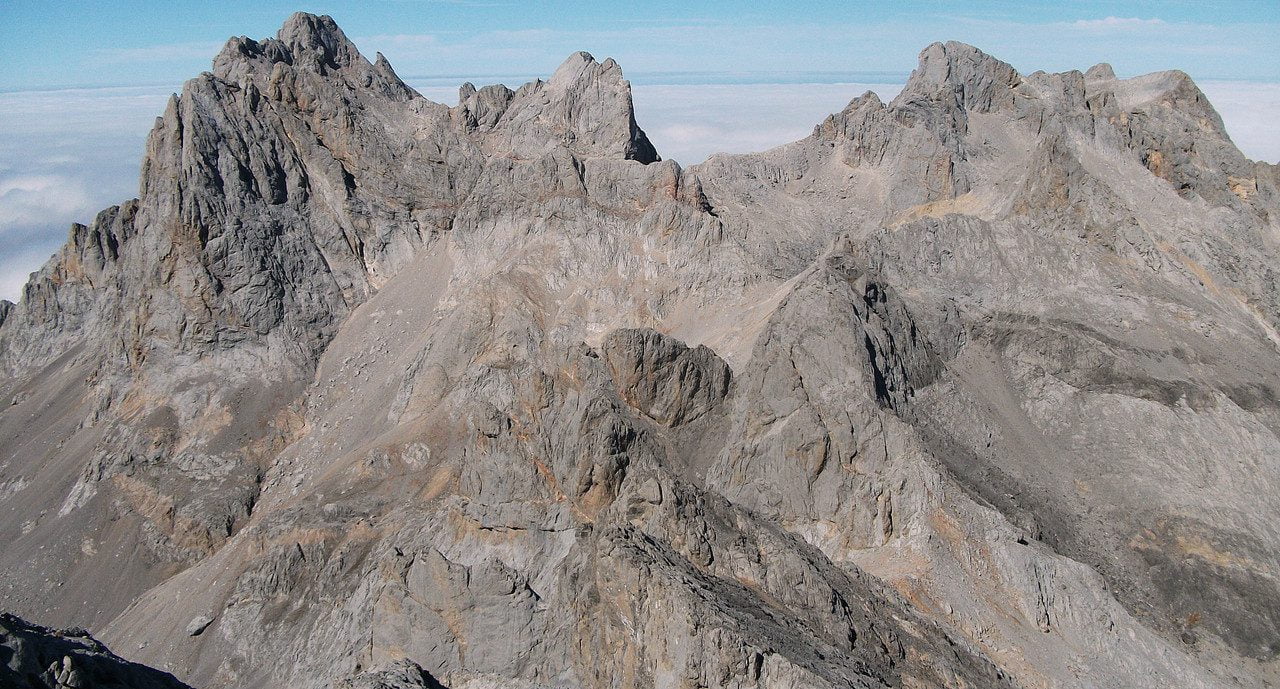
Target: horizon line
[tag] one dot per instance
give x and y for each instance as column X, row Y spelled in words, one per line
column 640, row 78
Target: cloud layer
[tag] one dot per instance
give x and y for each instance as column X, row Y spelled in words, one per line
column 689, row 122
column 1250, row 110
column 64, row 156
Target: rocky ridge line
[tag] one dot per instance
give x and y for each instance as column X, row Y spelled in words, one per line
column 976, row 387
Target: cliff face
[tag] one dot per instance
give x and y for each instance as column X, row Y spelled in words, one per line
column 974, row 388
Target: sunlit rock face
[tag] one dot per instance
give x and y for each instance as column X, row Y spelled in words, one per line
column 978, row 387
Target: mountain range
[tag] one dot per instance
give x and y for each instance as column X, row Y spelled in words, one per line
column 975, row 388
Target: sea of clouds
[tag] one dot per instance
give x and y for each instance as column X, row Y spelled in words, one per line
column 66, row 154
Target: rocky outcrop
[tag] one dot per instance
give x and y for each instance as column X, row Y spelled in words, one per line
column 663, row 378
column 403, row 674
column 585, row 107
column 39, row 658
column 976, row 387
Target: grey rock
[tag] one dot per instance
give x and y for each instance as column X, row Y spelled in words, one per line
column 198, row 624
column 541, row 114
column 1100, row 72
column 977, row 387
column 402, row 674
column 662, row 378
column 42, row 658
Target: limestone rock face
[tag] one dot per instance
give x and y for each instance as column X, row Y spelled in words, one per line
column 662, row 378
column 977, row 387
column 585, row 107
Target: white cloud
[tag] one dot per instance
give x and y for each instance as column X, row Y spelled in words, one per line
column 1249, row 110
column 34, row 199
column 65, row 155
column 689, row 122
column 16, row 269
column 199, row 50
column 35, row 211
column 1116, row 23
column 683, row 134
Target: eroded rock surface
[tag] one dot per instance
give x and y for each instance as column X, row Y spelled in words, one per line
column 977, row 387
column 663, row 378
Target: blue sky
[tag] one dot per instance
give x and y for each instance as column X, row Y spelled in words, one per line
column 47, row 43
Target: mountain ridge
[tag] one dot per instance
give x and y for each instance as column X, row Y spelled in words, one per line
column 370, row 380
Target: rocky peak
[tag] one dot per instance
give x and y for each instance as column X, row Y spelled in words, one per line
column 318, row 38
column 307, row 43
column 1100, row 72
column 43, row 658
column 585, row 105
column 852, row 120
column 575, row 84
column 582, row 68
column 1172, row 91
column 662, row 377
column 304, row 40
column 960, row 75
column 482, row 109
column 401, row 674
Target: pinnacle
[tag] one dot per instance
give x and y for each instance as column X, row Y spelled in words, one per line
column 312, row 43
column 575, row 67
column 960, row 73
column 953, row 62
column 308, row 33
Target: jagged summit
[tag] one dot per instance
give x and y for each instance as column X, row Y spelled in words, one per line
column 581, row 70
column 306, row 33
column 308, row 43
column 960, row 64
column 585, row 105
column 960, row 74
column 368, row 390
column 303, row 37
column 573, row 67
column 39, row 658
